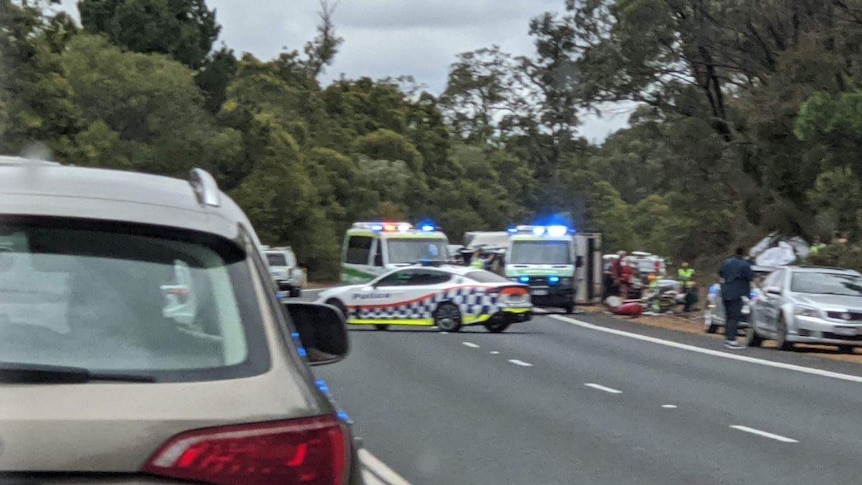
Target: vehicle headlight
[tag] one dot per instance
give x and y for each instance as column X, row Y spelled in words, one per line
column 806, row 312
column 565, row 281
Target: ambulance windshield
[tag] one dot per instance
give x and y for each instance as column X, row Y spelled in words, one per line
column 415, row 250
column 540, row 252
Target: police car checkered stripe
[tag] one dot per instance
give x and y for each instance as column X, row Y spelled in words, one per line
column 472, row 301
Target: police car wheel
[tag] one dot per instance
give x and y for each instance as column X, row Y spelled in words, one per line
column 447, row 317
column 496, row 327
column 382, row 327
column 295, row 292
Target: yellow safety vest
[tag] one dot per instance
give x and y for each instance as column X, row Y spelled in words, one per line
column 687, row 276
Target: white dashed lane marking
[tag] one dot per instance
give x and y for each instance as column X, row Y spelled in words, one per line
column 470, row 344
column 776, row 437
column 520, row 363
column 669, row 406
column 603, row 388
column 494, row 352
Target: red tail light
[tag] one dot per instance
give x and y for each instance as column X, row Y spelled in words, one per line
column 309, row 451
column 514, row 290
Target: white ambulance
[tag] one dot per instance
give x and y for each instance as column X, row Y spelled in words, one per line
column 373, row 248
column 545, row 258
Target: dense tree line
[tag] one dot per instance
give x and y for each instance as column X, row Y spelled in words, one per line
column 747, row 120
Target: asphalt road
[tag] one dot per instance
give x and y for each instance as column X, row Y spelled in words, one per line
column 555, row 401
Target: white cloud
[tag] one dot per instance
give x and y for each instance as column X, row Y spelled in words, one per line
column 391, row 37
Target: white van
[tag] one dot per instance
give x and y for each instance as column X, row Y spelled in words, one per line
column 373, row 248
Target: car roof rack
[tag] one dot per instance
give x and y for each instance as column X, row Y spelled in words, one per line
column 205, row 187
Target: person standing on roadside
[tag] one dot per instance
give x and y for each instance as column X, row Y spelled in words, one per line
column 735, row 276
column 617, row 273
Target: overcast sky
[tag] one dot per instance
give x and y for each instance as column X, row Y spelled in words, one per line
column 391, row 37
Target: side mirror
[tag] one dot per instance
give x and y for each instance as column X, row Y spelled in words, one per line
column 773, row 290
column 322, row 331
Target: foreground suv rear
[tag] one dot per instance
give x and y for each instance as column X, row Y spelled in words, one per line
column 142, row 341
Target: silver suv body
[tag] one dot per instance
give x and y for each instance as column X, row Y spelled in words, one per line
column 142, row 340
column 285, row 271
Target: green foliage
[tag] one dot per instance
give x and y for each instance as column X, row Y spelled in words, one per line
column 182, row 29
column 387, row 145
column 748, row 118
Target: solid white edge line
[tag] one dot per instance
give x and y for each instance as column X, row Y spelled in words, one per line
column 470, row 344
column 520, row 363
column 776, row 437
column 380, row 469
column 603, row 388
column 715, row 353
column 370, row 478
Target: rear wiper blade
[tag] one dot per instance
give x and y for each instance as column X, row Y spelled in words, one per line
column 23, row 373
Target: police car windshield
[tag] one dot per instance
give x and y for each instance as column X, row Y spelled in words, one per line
column 540, row 252
column 826, row 284
column 415, row 250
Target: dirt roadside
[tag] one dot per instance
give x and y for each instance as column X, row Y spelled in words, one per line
column 693, row 323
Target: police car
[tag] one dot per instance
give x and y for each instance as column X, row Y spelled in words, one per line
column 447, row 296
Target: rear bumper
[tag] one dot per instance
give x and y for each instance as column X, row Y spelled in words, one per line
column 554, row 297
column 513, row 315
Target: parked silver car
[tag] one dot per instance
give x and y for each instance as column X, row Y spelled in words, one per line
column 809, row 305
column 714, row 317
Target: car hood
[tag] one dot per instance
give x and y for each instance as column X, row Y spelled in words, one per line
column 830, row 301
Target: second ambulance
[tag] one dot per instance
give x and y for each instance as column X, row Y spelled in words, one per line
column 545, row 258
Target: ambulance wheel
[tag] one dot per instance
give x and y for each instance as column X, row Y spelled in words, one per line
column 447, row 317
column 496, row 327
column 570, row 308
column 382, row 327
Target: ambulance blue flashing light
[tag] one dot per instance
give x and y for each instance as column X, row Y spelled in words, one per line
column 377, row 227
column 554, row 230
column 427, row 226
column 524, row 279
column 557, row 231
column 553, row 280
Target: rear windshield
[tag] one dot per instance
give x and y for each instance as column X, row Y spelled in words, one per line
column 486, row 277
column 541, row 252
column 277, row 259
column 115, row 301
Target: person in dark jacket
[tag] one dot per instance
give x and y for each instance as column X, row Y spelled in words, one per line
column 735, row 277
